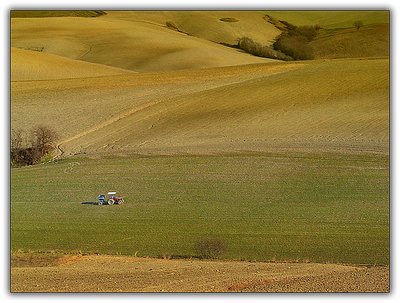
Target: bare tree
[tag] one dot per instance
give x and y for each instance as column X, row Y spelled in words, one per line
column 17, row 138
column 357, row 24
column 43, row 139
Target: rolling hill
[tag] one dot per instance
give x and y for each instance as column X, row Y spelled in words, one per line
column 54, row 13
column 331, row 19
column 148, row 41
column 34, row 65
column 197, row 96
column 134, row 45
column 93, row 102
column 281, row 161
column 369, row 41
column 333, row 105
column 216, row 26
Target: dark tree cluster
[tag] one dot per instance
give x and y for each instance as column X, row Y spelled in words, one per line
column 250, row 46
column 291, row 44
column 295, row 41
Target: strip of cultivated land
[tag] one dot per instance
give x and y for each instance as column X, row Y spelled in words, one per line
column 130, row 274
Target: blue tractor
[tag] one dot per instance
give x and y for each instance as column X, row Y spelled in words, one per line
column 111, row 200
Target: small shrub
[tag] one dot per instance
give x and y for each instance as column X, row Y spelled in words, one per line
column 275, row 22
column 171, row 25
column 210, row 248
column 228, row 19
column 358, row 24
column 24, row 156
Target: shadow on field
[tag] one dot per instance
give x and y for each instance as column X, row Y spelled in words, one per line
column 180, row 257
column 90, row 202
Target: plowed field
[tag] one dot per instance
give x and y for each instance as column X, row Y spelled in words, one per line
column 130, row 274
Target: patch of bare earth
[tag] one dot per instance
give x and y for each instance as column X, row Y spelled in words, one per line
column 131, row 274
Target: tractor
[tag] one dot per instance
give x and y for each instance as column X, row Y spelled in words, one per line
column 112, row 199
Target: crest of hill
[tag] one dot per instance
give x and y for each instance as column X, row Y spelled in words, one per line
column 133, row 45
column 34, row 65
column 337, row 36
column 368, row 41
column 331, row 19
column 54, row 13
column 217, row 26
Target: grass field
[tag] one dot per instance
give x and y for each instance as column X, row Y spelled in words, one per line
column 315, row 207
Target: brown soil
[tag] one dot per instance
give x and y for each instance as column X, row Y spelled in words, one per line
column 131, row 274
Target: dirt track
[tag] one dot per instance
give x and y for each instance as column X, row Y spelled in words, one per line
column 130, row 274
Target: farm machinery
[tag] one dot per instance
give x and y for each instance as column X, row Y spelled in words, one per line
column 111, row 200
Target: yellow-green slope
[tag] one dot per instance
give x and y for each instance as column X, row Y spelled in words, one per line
column 217, row 26
column 332, row 105
column 138, row 46
column 337, row 105
column 368, row 41
column 331, row 18
column 73, row 106
column 34, row 65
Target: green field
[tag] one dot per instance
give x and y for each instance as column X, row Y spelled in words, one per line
column 315, row 207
